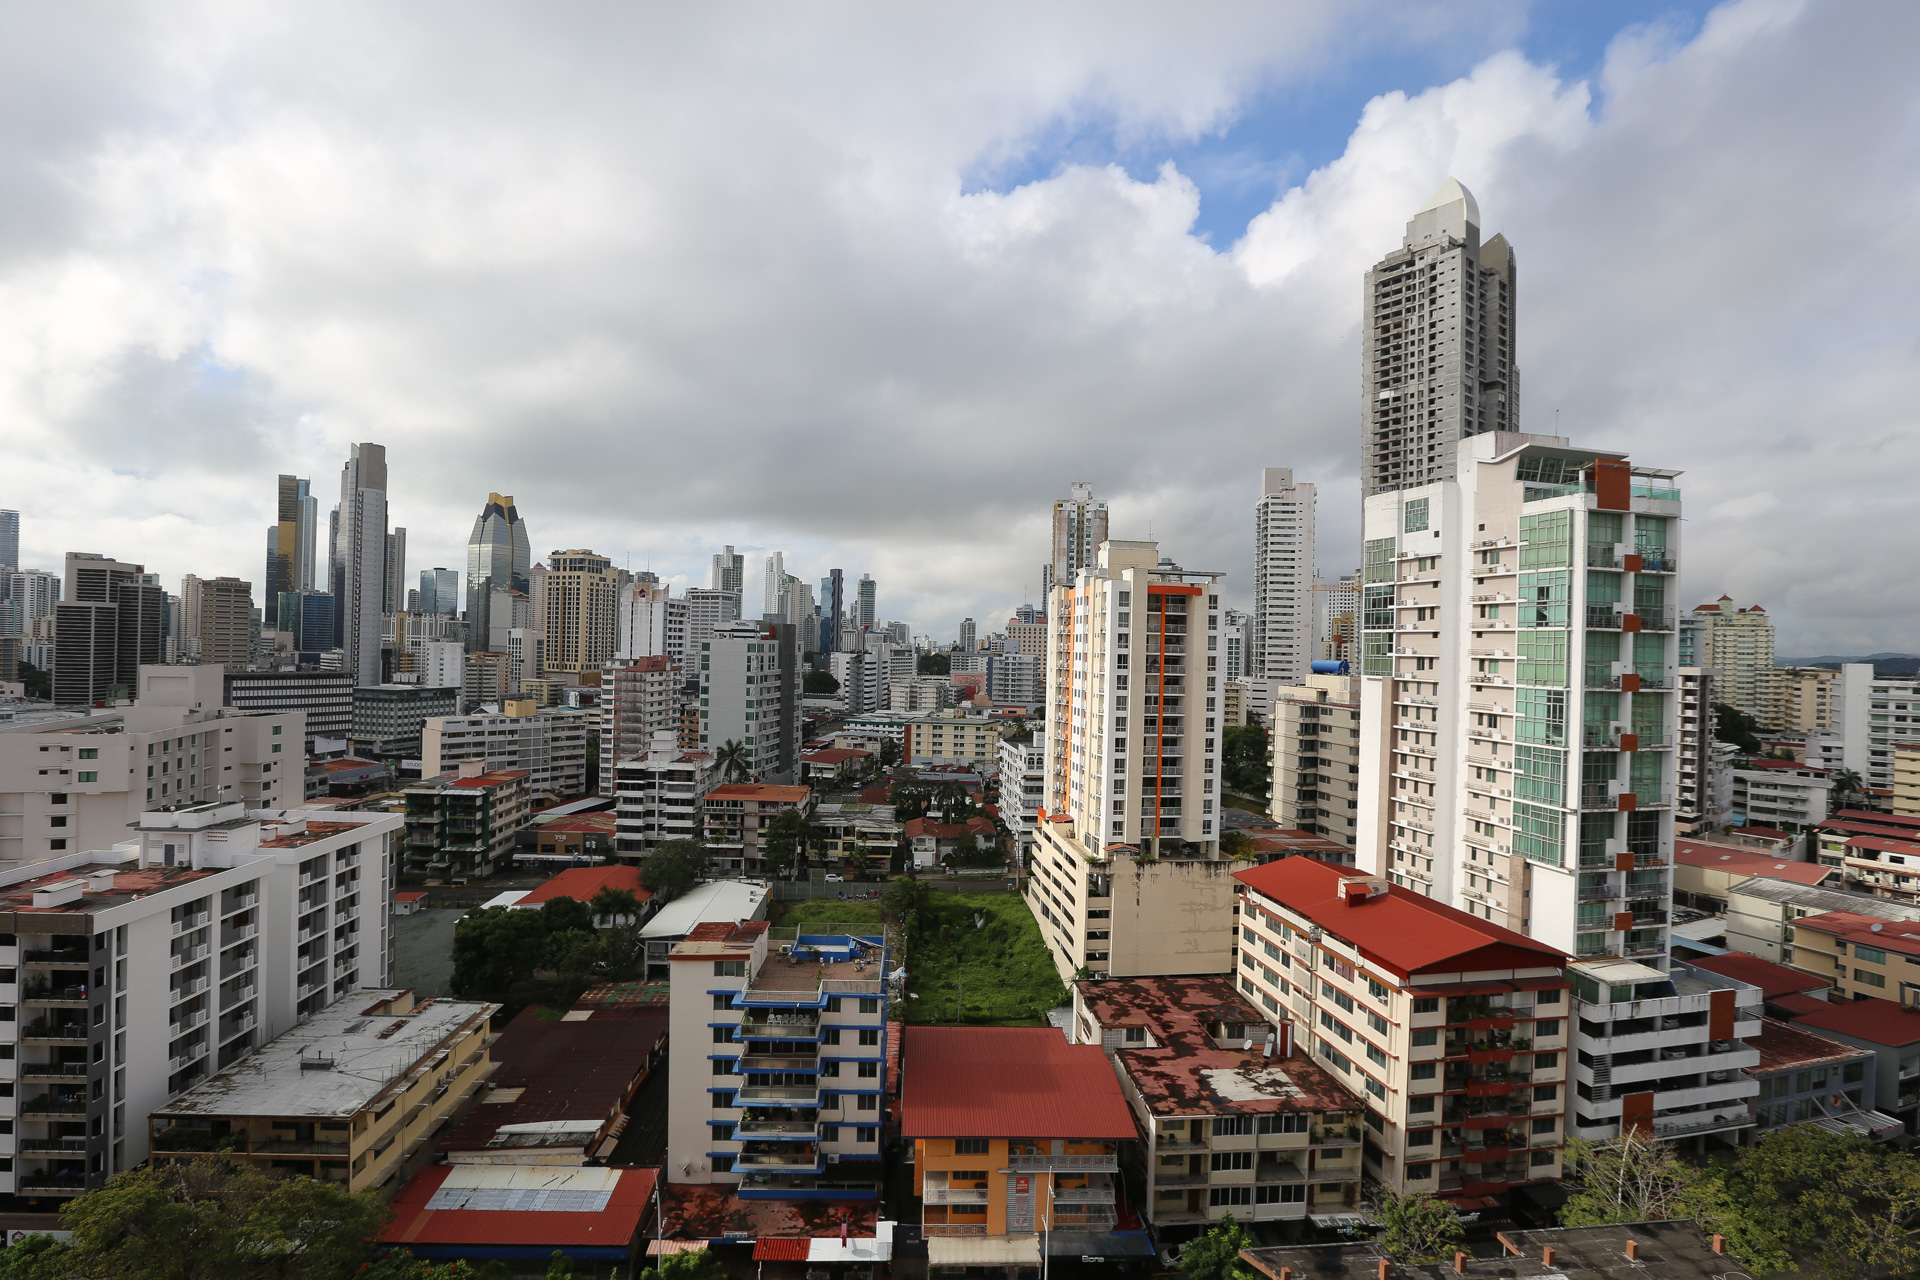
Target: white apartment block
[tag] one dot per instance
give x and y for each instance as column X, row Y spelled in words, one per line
column 708, row 610
column 1236, row 636
column 1127, row 873
column 1079, row 527
column 1870, row 715
column 1282, row 578
column 1017, row 679
column 652, row 623
column 1703, row 789
column 862, row 676
column 660, row 795
column 550, row 746
column 1736, row 641
column 921, row 693
column 1316, row 757
column 750, row 694
column 1780, row 793
column 141, row 970
column 1023, row 785
column 1517, row 713
column 639, row 700
column 72, row 784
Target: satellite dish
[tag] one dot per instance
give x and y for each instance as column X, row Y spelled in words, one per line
column 1246, row 1046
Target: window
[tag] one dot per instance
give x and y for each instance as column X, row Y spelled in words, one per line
column 88, row 775
column 1546, row 1092
column 1545, row 1124
column 1426, row 1004
column 1222, row 1160
column 1425, row 1036
column 1285, row 1193
column 1377, row 1022
column 723, row 1066
column 830, row 1035
column 869, row 1070
column 1375, row 990
column 1217, row 1196
column 1420, row 1137
column 1541, row 1157
column 970, row 1146
column 869, row 1004
column 722, row 1101
column 1135, row 1035
column 729, row 968
column 89, row 753
column 1423, row 1070
column 1545, row 1061
column 723, row 1164
column 1376, row 1055
column 1287, row 1123
column 1419, row 1172
column 1546, row 1028
column 1872, row 955
column 1417, row 515
column 829, row 1133
column 833, row 1004
column 1232, row 1126
column 1868, row 978
column 723, row 1035
column 721, row 1000
column 870, row 1036
column 1421, row 1105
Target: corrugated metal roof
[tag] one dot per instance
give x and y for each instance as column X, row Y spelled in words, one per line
column 1008, row 1082
column 581, row 883
column 613, row 1225
column 1881, row 1021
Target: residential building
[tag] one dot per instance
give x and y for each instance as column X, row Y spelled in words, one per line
column 1316, row 757
column 652, row 623
column 968, row 639
column 86, row 653
column 489, row 678
column 549, row 746
column 324, row 698
column 1023, row 786
column 931, row 843
column 750, row 696
column 1017, row 679
column 920, row 694
column 224, row 635
column 862, row 679
column 9, row 541
column 1282, row 578
column 1438, row 346
column 1702, row 788
column 834, row 768
column 1893, row 1035
column 1336, row 619
column 1517, row 689
column 1663, row 1051
column 735, row 815
column 464, row 824
column 590, row 1216
column 1737, row 642
column 1079, row 527
column 1017, row 1142
column 793, row 1096
column 359, row 557
column 33, row 592
column 582, row 629
column 860, row 836
column 499, row 558
column 710, row 902
column 1027, row 637
column 1762, row 911
column 440, row 591
column 72, row 784
column 833, row 610
column 108, row 624
column 207, row 934
column 1808, row 1079
column 1704, row 874
column 774, row 585
column 1784, row 991
column 1800, row 699
column 1871, row 716
column 1872, row 850
column 950, row 737
column 729, row 572
column 396, row 571
column 1233, row 703
column 1453, row 1029
column 388, row 719
column 659, row 795
column 1906, row 779
column 347, row 1097
column 638, row 700
column 441, row 664
column 1129, row 878
column 1865, row 957
column 1236, row 632
column 1233, row 1117
column 1779, row 793
column 707, row 611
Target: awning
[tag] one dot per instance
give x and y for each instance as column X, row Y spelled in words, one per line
column 983, row 1251
column 1543, row 1195
column 1336, row 1221
column 655, row 1248
column 782, row 1250
column 1100, row 1244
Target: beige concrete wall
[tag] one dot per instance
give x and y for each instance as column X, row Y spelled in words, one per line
column 1171, row 917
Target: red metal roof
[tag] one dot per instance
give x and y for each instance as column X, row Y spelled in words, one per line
column 602, row 822
column 1400, row 930
column 1774, row 980
column 1796, row 1004
column 1783, row 1047
column 1008, row 1082
column 1883, row 844
column 1889, row 935
column 581, row 883
column 410, row 896
column 777, row 1249
column 833, row 755
column 1747, row 862
column 1880, row 1021
column 1869, row 815
column 1765, row 833
column 765, row 792
column 612, row 1227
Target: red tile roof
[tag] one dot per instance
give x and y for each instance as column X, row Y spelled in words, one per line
column 493, row 779
column 779, row 1249
column 600, row 822
column 917, row 827
column 1889, row 935
column 740, row 934
column 1797, row 1004
column 1865, row 827
column 1765, row 833
column 833, row 755
column 1748, row 862
column 1399, row 930
column 581, row 883
column 1783, row 1047
column 1774, row 980
column 612, row 1227
column 1008, row 1082
column 1883, row 844
column 876, row 795
column 1880, row 1021
column 765, row 792
column 697, row 1211
column 1869, row 815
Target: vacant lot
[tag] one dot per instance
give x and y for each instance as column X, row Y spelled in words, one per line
column 825, row 911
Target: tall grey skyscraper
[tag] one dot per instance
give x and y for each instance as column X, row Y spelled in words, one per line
column 729, row 570
column 864, row 603
column 9, row 541
column 499, row 558
column 360, row 560
column 109, row 624
column 439, row 591
column 833, row 610
column 775, row 583
column 1282, row 578
column 396, row 571
column 1079, row 527
column 1438, row 349
column 969, row 636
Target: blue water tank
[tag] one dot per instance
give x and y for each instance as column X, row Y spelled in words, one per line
column 1329, row 667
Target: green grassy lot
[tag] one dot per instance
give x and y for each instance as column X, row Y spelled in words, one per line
column 1003, row 967
column 824, row 911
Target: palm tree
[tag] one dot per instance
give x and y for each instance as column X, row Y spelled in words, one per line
column 734, row 760
column 1846, row 786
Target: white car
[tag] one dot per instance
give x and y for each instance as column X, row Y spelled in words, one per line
column 836, row 880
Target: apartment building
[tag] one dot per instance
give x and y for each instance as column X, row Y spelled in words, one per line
column 1129, row 878
column 1282, row 578
column 389, row 719
column 1017, row 1140
column 1875, row 853
column 1453, row 1030
column 347, row 1097
column 75, row 783
column 581, row 628
column 735, row 816
column 1517, row 693
column 750, row 695
column 1233, row 1118
column 1702, row 787
column 1871, row 715
column 920, row 694
column 1780, row 793
column 1892, row 1034
column 1906, row 779
column 1865, row 957
column 954, row 737
column 209, row 932
column 549, row 746
column 793, row 1096
column 1800, row 699
column 1805, row 1078
column 660, row 796
column 1705, row 874
column 1316, row 757
column 1663, row 1052
column 465, row 824
column 1762, row 911
column 1736, row 641
column 1079, row 527
column 325, row 698
column 1022, row 787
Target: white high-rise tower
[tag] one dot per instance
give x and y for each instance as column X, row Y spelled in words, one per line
column 360, row 556
column 1282, row 578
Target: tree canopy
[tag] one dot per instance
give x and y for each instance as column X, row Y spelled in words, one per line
column 821, row 682
column 1415, row 1227
column 1730, row 724
column 551, row 955
column 1840, row 1204
column 674, row 867
column 1216, row 1255
column 1246, row 762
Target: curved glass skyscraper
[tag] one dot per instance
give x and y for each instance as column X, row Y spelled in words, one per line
column 499, row 558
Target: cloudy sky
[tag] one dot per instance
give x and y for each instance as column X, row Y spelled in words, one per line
column 872, row 284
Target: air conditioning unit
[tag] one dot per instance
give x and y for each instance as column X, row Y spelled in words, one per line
column 832, row 1158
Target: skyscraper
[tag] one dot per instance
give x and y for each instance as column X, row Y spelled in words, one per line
column 1282, row 578
column 499, row 558
column 775, row 583
column 283, row 548
column 1079, row 527
column 1437, row 349
column 396, row 572
column 833, row 610
column 581, row 629
column 224, row 618
column 865, row 617
column 439, row 591
column 360, row 554
column 969, row 636
column 729, row 571
column 9, row 541
column 110, row 623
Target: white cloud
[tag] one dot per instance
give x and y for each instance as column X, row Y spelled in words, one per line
column 677, row 278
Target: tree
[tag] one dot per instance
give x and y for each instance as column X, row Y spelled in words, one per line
column 1247, row 763
column 1635, row 1178
column 689, row 1264
column 496, row 950
column 1838, row 1202
column 821, row 682
column 1730, row 724
column 785, row 842
column 910, row 800
column 1236, row 843
column 1848, row 787
column 674, row 867
column 1415, row 1227
column 934, row 664
column 614, row 905
column 734, row 760
column 401, row 1265
column 39, row 683
column 1216, row 1255
column 889, row 753
column 565, row 915
column 578, row 959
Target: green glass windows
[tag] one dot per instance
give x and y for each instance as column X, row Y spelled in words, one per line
column 1416, row 513
column 1542, row 716
column 1379, row 559
column 1540, row 774
column 1546, row 540
column 1543, row 599
column 1539, row 835
column 1543, row 657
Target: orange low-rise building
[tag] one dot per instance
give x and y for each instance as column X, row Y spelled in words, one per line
column 737, row 814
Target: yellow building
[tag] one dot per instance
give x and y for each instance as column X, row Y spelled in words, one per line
column 1906, row 779
column 345, row 1097
column 955, row 736
column 1863, row 956
column 581, row 612
column 1799, row 699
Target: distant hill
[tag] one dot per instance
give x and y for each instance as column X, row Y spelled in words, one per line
column 1884, row 664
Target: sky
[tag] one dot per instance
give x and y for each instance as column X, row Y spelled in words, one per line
column 872, row 285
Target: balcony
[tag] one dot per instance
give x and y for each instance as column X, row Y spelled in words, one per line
column 46, row 994
column 789, row 1026
column 65, row 958
column 1603, row 618
column 55, row 1104
column 771, row 1094
column 59, row 1147
column 1107, row 1162
column 56, row 1072
column 67, row 1031
column 190, row 955
column 779, row 1129
column 941, row 1194
column 789, row 1160
column 1595, row 798
column 187, row 924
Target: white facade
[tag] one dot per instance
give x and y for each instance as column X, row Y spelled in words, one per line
column 862, row 680
column 1792, row 797
column 1282, row 578
column 652, row 623
column 1019, row 679
column 707, row 610
column 360, row 560
column 1703, row 788
column 659, row 796
column 1518, row 692
column 551, row 746
column 1316, row 757
column 750, row 694
column 442, row 664
column 637, row 702
column 1023, row 785
column 1870, row 714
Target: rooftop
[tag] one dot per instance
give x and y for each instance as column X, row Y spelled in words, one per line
column 1789, row 766
column 579, row 1068
column 1394, row 927
column 1859, row 928
column 1773, row 979
column 1748, row 862
column 600, row 822
column 1878, row 1021
column 1800, row 895
column 1008, row 1082
column 702, row 1212
column 715, row 900
column 834, row 755
column 1675, row 1250
column 762, row 791
column 582, row 883
column 336, row 1063
column 130, row 882
column 473, row 781
column 1188, row 1074
column 313, row 832
column 1875, row 817
column 536, row 1206
column 1784, row 1047
column 714, row 937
